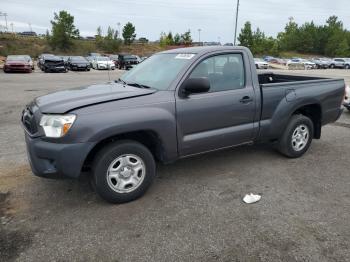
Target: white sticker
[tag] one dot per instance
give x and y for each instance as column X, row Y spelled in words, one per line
column 184, row 56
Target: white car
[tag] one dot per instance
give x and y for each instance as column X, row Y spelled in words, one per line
column 346, row 102
column 102, row 62
column 261, row 64
column 298, row 61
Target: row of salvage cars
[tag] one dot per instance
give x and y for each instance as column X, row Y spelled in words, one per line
column 53, row 63
column 300, row 63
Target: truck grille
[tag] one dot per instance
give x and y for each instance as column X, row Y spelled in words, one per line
column 28, row 121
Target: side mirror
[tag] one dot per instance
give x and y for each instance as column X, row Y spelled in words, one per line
column 195, row 86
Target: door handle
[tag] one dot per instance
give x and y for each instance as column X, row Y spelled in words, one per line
column 246, row 99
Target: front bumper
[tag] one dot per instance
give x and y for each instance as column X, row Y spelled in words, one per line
column 17, row 69
column 54, row 160
column 56, row 68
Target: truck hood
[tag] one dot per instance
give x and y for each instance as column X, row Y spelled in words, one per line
column 63, row 101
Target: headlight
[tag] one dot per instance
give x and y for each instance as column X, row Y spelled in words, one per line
column 56, row 125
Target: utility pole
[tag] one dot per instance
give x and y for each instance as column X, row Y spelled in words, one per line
column 4, row 15
column 119, row 33
column 199, row 36
column 236, row 22
column 12, row 28
column 30, row 27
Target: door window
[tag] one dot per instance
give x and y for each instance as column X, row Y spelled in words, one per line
column 225, row 72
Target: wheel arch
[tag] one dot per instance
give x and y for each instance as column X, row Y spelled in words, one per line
column 148, row 138
column 314, row 112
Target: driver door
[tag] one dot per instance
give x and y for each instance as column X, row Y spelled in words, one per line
column 222, row 117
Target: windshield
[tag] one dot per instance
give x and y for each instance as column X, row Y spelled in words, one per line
column 158, row 71
column 78, row 59
column 102, row 59
column 16, row 58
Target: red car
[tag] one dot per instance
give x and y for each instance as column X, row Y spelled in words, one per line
column 17, row 63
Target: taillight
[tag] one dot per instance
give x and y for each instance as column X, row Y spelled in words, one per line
column 346, row 92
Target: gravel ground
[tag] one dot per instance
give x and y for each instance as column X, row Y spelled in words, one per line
column 193, row 212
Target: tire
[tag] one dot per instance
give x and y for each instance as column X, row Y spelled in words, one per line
column 347, row 66
column 287, row 146
column 112, row 156
column 332, row 66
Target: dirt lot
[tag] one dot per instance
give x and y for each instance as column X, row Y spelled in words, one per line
column 193, row 212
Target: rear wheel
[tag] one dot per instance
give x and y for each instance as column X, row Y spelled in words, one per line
column 297, row 137
column 123, row 171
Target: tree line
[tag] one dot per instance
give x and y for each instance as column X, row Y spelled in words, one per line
column 64, row 32
column 330, row 39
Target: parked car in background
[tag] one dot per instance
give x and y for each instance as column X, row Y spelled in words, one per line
column 102, row 62
column 268, row 58
column 53, row 64
column 114, row 58
column 17, row 63
column 41, row 59
column 346, row 103
column 261, row 63
column 347, row 63
column 306, row 63
column 338, row 63
column 76, row 63
column 126, row 61
column 321, row 62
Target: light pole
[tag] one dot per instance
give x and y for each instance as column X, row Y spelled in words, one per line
column 119, row 33
column 236, row 22
column 199, row 36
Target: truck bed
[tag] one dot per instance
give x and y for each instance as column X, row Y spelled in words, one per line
column 271, row 78
column 281, row 93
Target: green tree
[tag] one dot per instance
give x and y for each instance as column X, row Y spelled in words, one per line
column 170, row 38
column 343, row 49
column 245, row 38
column 63, row 31
column 177, row 39
column 129, row 33
column 186, row 38
column 99, row 37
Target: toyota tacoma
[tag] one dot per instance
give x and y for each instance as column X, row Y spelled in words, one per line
column 176, row 104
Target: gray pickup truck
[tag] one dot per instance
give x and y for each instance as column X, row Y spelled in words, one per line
column 175, row 104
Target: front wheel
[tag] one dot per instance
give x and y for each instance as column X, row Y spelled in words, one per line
column 123, row 171
column 297, row 137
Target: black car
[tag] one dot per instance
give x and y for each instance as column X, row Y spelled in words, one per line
column 53, row 64
column 78, row 63
column 41, row 59
column 126, row 61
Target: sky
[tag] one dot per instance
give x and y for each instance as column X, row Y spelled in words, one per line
column 215, row 18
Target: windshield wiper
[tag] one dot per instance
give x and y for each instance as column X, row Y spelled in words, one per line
column 138, row 85
column 121, row 80
column 133, row 84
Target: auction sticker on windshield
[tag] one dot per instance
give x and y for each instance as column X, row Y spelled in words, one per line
column 184, row 56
